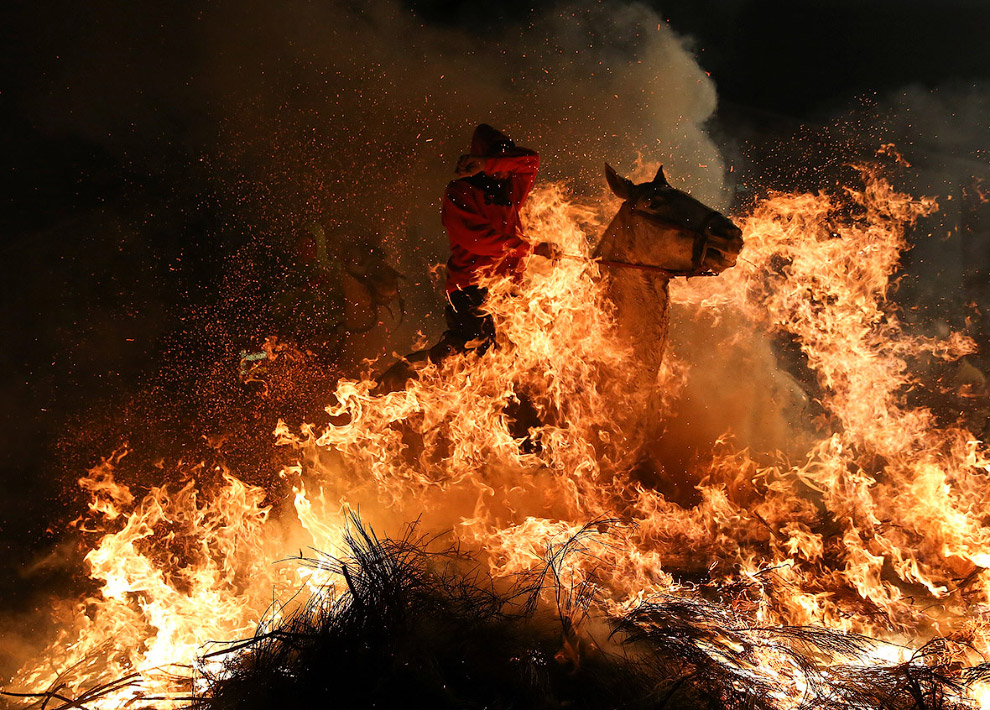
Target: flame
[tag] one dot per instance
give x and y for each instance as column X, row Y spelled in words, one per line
column 879, row 529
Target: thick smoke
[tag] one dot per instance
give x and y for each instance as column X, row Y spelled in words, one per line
column 357, row 116
column 353, row 115
column 370, row 88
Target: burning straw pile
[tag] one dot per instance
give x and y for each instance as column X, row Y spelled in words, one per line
column 415, row 627
column 421, row 629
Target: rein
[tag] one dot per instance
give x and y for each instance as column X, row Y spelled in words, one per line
column 671, row 273
column 659, row 269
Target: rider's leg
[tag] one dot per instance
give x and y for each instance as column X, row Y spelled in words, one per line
column 468, row 326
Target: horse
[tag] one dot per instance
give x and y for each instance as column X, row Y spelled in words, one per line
column 659, row 233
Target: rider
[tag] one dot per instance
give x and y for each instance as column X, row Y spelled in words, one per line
column 481, row 214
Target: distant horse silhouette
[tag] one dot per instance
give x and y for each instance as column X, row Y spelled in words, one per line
column 659, row 233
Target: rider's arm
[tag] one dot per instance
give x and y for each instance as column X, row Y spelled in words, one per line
column 520, row 164
column 471, row 230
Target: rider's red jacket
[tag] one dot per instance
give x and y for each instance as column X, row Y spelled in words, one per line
column 481, row 214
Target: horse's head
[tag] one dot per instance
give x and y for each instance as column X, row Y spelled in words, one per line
column 675, row 231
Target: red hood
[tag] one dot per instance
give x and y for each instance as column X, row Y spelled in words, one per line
column 488, row 141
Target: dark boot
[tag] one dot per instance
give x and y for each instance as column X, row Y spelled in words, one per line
column 399, row 374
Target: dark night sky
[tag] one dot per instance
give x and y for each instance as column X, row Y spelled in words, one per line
column 797, row 59
column 802, row 60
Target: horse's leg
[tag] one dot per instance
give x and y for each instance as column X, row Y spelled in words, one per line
column 522, row 418
column 401, row 372
column 398, row 375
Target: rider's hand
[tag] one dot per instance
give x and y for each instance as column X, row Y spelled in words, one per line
column 469, row 165
column 548, row 250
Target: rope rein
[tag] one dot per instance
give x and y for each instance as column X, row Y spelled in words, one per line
column 642, row 267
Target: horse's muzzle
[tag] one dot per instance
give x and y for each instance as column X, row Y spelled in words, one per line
column 725, row 242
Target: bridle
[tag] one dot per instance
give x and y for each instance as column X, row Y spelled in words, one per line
column 699, row 251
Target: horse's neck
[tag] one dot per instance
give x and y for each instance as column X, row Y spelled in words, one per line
column 640, row 296
column 618, row 241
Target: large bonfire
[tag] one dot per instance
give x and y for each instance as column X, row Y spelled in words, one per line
column 850, row 570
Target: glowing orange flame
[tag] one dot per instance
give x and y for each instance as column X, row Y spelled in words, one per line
column 872, row 532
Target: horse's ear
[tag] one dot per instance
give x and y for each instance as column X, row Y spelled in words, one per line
column 660, row 178
column 621, row 186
